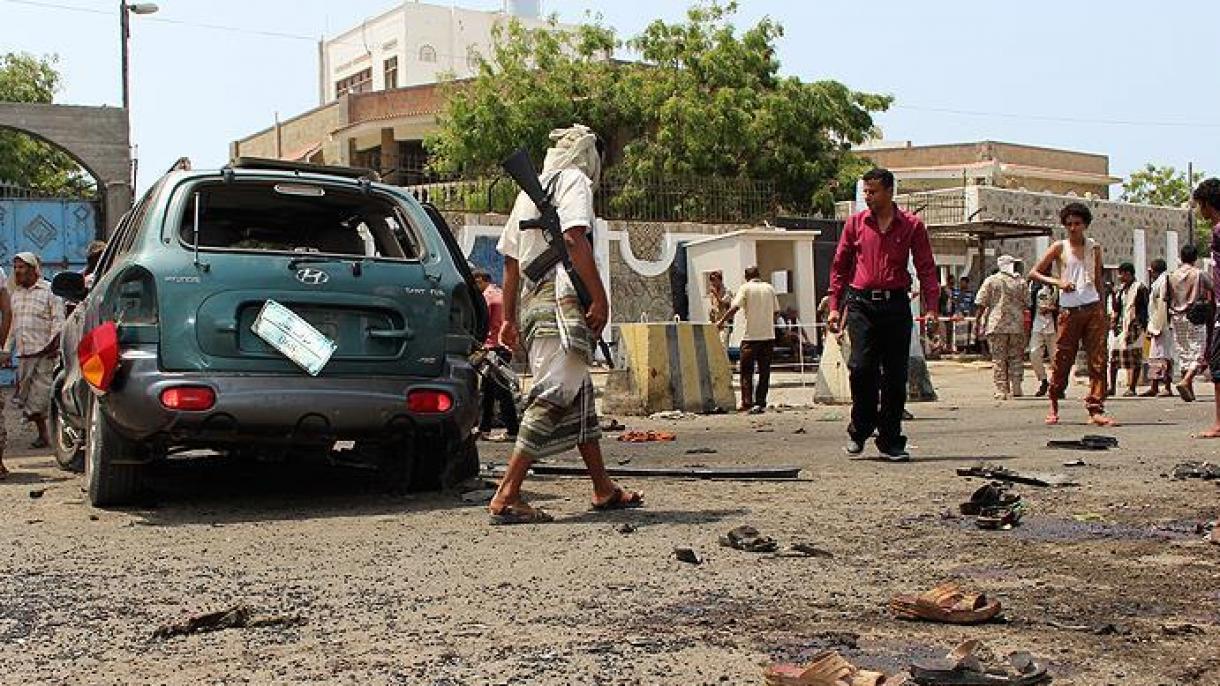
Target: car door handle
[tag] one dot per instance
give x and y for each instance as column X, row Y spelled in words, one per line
column 227, row 326
column 405, row 334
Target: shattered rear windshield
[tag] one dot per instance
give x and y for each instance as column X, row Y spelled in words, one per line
column 297, row 217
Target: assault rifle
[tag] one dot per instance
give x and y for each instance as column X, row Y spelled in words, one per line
column 521, row 169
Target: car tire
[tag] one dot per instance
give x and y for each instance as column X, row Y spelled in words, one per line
column 109, row 478
column 462, row 463
column 69, row 449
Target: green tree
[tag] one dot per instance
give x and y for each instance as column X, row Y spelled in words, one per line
column 1166, row 186
column 24, row 160
column 705, row 100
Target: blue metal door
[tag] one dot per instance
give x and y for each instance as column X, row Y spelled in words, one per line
column 57, row 230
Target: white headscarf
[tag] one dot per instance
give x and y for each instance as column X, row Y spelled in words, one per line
column 574, row 147
column 1007, row 264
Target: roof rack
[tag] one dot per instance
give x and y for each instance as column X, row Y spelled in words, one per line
column 304, row 167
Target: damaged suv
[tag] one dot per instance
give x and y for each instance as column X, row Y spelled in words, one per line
column 271, row 308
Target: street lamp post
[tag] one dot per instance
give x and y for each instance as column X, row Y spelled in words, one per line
column 125, row 33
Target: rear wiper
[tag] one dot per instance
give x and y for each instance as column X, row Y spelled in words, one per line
column 357, row 262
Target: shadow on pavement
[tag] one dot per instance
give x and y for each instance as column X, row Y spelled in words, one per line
column 645, row 516
column 218, row 489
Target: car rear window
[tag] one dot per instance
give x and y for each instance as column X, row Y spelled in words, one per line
column 297, row 217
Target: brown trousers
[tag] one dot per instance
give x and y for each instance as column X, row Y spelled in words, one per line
column 1081, row 327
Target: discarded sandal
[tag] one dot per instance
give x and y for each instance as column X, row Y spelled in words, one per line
column 946, row 603
column 646, row 437
column 962, row 667
column 994, row 494
column 1002, row 517
column 828, row 669
column 748, row 539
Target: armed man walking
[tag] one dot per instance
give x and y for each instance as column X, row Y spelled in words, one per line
column 869, row 280
column 557, row 333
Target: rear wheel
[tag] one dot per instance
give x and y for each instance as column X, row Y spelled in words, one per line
column 112, row 468
column 68, row 442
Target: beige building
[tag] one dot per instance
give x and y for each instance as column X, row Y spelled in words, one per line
column 989, row 163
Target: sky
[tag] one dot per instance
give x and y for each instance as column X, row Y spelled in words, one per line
column 1134, row 80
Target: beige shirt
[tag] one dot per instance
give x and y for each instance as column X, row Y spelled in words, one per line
column 757, row 302
column 1004, row 297
column 38, row 317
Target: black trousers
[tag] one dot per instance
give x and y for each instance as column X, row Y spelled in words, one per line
column 494, row 393
column 755, row 353
column 880, row 332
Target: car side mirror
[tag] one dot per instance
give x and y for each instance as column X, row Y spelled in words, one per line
column 69, row 286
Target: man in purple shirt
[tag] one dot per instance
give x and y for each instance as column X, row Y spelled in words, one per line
column 869, row 279
column 1207, row 197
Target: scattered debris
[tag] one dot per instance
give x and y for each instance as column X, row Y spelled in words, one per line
column 647, row 437
column 610, row 424
column 1089, row 442
column 480, row 496
column 748, row 539
column 701, row 451
column 688, row 555
column 672, row 414
column 829, row 417
column 994, row 473
column 800, row 430
column 698, row 472
column 36, row 493
column 1075, row 463
column 236, row 617
column 1196, row 470
column 948, row 603
column 808, row 550
column 627, row 528
column 94, row 518
column 994, row 507
column 1184, row 629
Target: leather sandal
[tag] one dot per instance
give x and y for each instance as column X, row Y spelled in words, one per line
column 947, row 603
column 828, row 669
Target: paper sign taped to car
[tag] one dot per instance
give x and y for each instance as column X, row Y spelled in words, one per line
column 296, row 338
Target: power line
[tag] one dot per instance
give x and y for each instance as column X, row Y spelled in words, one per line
column 1056, row 118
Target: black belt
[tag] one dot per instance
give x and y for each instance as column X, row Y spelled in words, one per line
column 1073, row 308
column 877, row 294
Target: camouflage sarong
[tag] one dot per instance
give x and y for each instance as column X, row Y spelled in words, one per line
column 559, row 412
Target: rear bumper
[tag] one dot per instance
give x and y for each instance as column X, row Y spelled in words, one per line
column 285, row 409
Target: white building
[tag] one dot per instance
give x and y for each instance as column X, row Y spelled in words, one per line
column 414, row 44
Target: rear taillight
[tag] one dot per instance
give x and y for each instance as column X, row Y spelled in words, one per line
column 427, row 401
column 98, row 353
column 188, row 398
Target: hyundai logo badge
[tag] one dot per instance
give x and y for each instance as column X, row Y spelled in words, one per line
column 312, row 277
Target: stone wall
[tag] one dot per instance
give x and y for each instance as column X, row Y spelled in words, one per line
column 1112, row 226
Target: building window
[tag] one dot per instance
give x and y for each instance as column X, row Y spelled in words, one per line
column 427, row 53
column 360, row 82
column 473, row 60
column 391, row 73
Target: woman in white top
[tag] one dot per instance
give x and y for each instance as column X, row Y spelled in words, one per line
column 1082, row 317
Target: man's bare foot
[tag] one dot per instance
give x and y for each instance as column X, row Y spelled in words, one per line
column 1213, row 432
column 519, row 512
column 618, row 499
column 1102, row 420
column 1052, row 419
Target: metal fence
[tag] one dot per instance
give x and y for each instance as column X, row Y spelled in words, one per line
column 10, row 191
column 660, row 199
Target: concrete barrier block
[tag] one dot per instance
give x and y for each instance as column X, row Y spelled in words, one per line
column 670, row 366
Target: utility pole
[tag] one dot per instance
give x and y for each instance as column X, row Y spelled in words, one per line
column 1190, row 206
